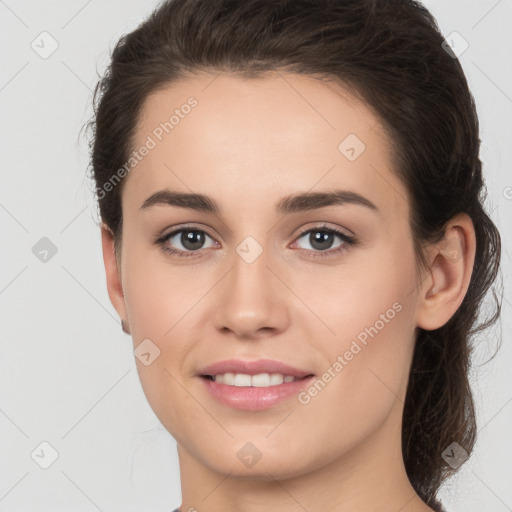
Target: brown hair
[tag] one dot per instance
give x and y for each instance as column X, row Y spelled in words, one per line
column 390, row 54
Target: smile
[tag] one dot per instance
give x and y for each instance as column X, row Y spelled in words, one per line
column 261, row 380
column 253, row 385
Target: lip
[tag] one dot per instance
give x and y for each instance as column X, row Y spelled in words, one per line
column 253, row 368
column 250, row 398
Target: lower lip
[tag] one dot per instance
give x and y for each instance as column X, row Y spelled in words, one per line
column 251, row 398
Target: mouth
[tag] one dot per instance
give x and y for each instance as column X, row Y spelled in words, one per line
column 260, row 380
column 253, row 385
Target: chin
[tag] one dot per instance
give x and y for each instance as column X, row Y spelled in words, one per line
column 247, row 462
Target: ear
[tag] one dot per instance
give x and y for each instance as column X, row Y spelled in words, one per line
column 113, row 274
column 450, row 267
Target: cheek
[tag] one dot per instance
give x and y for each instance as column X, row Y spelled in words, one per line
column 369, row 308
column 157, row 294
column 352, row 296
column 164, row 304
column 366, row 374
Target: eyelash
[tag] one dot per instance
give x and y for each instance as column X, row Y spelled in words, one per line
column 348, row 241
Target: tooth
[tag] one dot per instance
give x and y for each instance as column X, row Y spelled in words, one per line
column 261, row 380
column 229, row 379
column 241, row 379
column 276, row 378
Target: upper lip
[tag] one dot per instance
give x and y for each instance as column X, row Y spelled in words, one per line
column 252, row 368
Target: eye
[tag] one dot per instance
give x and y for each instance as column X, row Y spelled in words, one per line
column 321, row 238
column 191, row 241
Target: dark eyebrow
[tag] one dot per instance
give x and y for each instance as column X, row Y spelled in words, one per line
column 290, row 204
column 313, row 200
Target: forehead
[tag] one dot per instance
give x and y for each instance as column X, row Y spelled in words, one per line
column 229, row 136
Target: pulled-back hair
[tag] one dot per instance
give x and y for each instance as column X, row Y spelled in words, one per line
column 390, row 54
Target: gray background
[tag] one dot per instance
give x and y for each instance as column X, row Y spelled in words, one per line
column 67, row 372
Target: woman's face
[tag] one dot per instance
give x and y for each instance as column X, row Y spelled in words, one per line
column 264, row 279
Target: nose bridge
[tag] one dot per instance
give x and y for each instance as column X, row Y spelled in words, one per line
column 250, row 265
column 250, row 298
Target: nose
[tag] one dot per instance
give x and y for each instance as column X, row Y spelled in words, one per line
column 252, row 301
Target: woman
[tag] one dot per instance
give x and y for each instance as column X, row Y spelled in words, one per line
column 293, row 235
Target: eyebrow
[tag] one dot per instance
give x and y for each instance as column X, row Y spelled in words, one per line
column 291, row 204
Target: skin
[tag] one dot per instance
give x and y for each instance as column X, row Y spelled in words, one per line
column 247, row 144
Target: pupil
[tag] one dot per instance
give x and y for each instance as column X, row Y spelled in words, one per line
column 318, row 240
column 192, row 240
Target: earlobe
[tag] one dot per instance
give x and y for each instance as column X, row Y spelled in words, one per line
column 112, row 273
column 451, row 267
